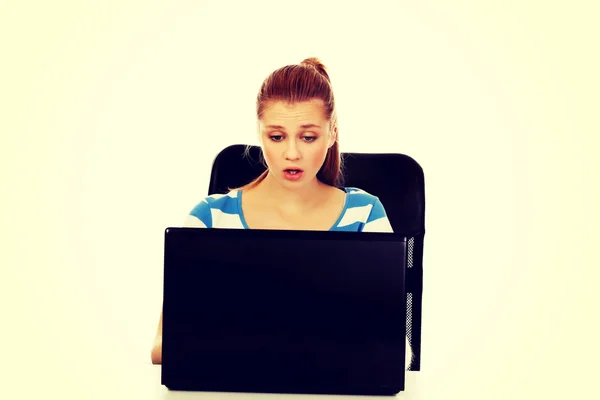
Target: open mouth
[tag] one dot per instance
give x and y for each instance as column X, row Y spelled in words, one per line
column 292, row 174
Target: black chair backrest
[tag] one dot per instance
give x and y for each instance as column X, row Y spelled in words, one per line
column 397, row 180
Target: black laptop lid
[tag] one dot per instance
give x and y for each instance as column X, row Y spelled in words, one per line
column 283, row 311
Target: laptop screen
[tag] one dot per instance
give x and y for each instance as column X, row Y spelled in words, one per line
column 283, row 310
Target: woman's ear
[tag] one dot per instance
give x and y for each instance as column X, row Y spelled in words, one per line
column 332, row 137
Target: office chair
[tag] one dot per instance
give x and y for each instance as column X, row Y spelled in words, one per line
column 396, row 179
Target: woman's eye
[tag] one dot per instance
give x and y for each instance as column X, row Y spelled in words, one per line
column 276, row 138
column 310, row 138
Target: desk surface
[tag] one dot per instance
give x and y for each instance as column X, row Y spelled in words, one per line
column 154, row 390
column 119, row 378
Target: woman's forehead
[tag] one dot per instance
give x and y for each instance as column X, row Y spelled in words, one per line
column 281, row 112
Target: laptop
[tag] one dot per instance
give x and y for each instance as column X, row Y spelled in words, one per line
column 278, row 311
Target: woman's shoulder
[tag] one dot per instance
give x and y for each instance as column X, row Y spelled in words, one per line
column 365, row 208
column 358, row 197
column 209, row 210
column 217, row 201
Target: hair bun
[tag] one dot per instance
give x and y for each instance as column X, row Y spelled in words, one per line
column 316, row 63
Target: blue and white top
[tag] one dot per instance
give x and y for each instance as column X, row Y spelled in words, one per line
column 362, row 212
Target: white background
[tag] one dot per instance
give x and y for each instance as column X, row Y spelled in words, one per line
column 112, row 113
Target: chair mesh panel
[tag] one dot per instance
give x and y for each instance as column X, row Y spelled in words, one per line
column 411, row 246
column 409, row 295
column 409, row 308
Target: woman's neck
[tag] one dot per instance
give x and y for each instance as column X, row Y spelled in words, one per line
column 306, row 197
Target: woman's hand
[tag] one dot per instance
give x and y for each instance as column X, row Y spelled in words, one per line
column 409, row 355
column 157, row 351
column 156, row 355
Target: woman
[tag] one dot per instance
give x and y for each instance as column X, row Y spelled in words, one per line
column 297, row 127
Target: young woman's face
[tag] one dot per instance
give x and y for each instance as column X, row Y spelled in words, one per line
column 295, row 139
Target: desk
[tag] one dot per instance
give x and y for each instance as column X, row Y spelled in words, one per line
column 154, row 390
column 116, row 379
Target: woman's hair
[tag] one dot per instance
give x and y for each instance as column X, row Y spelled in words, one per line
column 297, row 83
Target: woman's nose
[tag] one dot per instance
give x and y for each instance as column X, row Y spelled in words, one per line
column 291, row 152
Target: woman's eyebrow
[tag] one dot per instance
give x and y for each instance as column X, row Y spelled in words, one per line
column 305, row 126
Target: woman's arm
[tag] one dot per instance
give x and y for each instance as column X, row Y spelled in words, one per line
column 157, row 347
column 156, row 354
column 200, row 217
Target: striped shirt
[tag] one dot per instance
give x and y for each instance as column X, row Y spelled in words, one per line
column 362, row 212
